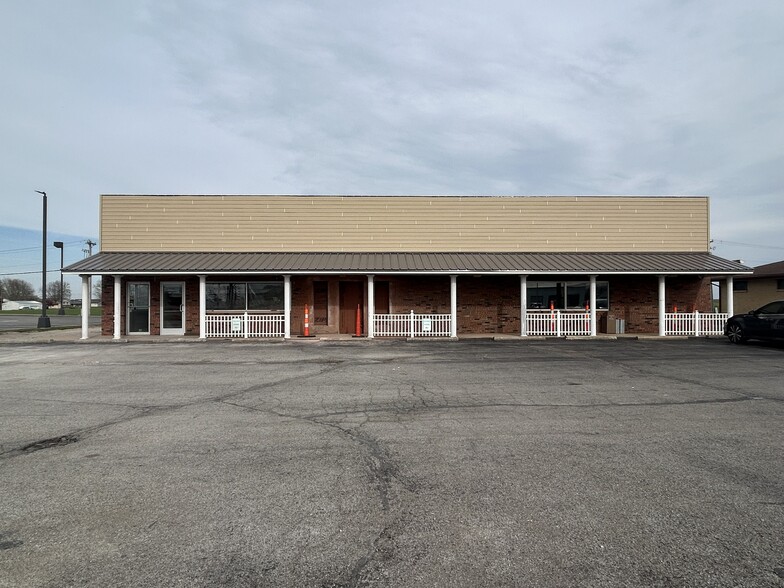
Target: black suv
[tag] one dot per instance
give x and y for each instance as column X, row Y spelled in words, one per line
column 767, row 322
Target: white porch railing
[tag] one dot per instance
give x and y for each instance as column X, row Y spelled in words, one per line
column 243, row 325
column 695, row 323
column 412, row 325
column 557, row 323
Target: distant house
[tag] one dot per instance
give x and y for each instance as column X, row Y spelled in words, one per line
column 404, row 266
column 763, row 286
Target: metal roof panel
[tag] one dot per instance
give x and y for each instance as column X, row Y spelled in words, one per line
column 392, row 262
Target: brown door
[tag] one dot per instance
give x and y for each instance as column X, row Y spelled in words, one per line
column 351, row 296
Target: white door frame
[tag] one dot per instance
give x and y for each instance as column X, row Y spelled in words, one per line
column 181, row 330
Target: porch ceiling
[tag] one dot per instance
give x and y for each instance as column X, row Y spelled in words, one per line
column 408, row 263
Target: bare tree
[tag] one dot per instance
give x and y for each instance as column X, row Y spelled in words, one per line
column 53, row 292
column 15, row 289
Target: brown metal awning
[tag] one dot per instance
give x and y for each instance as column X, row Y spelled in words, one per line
column 407, row 263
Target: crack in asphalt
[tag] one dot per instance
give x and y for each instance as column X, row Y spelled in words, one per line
column 144, row 411
column 61, row 401
column 385, row 477
column 633, row 368
column 382, row 549
column 51, row 442
column 425, row 407
column 384, row 472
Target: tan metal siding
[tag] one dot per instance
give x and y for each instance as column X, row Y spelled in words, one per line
column 403, row 223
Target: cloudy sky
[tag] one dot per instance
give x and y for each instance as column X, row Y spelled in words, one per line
column 349, row 97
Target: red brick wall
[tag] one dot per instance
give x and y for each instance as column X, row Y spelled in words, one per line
column 191, row 303
column 422, row 294
column 485, row 304
column 107, row 302
column 301, row 294
column 488, row 304
column 636, row 299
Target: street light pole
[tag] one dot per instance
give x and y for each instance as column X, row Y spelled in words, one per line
column 59, row 245
column 43, row 320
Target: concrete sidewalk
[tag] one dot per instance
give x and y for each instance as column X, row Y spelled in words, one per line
column 47, row 335
column 73, row 335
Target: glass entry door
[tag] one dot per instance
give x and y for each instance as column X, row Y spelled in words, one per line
column 138, row 308
column 172, row 308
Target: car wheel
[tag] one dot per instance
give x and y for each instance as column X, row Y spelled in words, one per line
column 735, row 334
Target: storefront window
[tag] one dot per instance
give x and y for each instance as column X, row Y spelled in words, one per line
column 242, row 296
column 566, row 295
column 265, row 296
column 541, row 294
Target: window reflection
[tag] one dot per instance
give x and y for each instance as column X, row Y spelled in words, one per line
column 566, row 295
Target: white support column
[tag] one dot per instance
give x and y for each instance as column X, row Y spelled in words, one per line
column 371, row 331
column 592, row 308
column 287, row 307
column 730, row 295
column 86, row 304
column 662, row 308
column 453, row 306
column 524, row 305
column 202, row 307
column 90, row 293
column 117, row 306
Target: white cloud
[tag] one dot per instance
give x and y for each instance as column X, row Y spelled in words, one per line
column 296, row 97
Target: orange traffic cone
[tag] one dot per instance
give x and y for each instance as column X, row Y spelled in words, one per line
column 358, row 325
column 306, row 327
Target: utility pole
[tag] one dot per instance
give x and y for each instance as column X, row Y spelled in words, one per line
column 43, row 320
column 89, row 252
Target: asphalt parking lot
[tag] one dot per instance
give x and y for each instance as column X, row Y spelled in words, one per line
column 392, row 463
column 15, row 322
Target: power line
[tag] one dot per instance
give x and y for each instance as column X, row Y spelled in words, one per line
column 32, row 272
column 747, row 244
column 38, row 248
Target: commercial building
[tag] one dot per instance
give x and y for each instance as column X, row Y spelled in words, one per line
column 246, row 266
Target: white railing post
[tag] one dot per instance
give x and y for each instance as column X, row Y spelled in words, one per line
column 412, row 324
column 592, row 290
column 696, row 323
column 558, row 323
column 245, row 325
column 662, row 308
